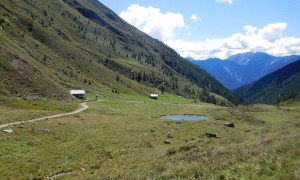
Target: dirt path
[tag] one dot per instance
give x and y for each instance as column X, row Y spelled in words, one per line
column 84, row 106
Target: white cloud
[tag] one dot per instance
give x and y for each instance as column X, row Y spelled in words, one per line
column 225, row 1
column 166, row 27
column 153, row 22
column 268, row 39
column 272, row 32
column 250, row 29
column 195, row 18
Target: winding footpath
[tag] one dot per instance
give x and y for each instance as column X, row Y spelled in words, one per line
column 84, row 106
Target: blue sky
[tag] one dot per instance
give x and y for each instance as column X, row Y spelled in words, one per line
column 216, row 28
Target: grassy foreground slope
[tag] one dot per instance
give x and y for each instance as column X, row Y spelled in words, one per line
column 125, row 140
column 48, row 47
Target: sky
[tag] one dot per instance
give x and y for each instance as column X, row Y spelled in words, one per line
column 204, row 29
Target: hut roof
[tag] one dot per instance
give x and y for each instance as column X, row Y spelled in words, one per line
column 77, row 92
column 153, row 95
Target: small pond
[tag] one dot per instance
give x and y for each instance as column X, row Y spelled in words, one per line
column 184, row 117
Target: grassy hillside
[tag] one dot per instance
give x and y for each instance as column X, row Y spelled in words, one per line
column 49, row 47
column 281, row 85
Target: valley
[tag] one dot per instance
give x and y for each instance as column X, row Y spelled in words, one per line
column 50, row 47
column 242, row 69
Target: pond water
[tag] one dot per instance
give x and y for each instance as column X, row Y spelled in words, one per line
column 184, row 117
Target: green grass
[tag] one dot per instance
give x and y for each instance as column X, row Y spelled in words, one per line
column 18, row 109
column 124, row 140
column 162, row 98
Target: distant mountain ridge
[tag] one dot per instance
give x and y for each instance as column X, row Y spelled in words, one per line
column 242, row 69
column 279, row 85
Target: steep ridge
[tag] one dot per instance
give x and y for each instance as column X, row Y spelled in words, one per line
column 49, row 47
column 279, row 85
column 242, row 69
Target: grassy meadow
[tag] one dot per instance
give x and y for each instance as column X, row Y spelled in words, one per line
column 21, row 109
column 123, row 138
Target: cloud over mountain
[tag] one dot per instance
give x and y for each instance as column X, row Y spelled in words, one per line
column 152, row 21
column 268, row 39
column 170, row 28
column 272, row 32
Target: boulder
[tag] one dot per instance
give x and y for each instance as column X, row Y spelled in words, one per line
column 217, row 118
column 42, row 130
column 167, row 141
column 229, row 124
column 211, row 135
column 9, row 130
column 169, row 135
column 45, row 130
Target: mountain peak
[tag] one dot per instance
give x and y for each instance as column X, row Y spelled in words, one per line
column 250, row 57
column 244, row 68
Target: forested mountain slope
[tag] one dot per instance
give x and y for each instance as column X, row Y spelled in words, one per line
column 48, row 47
column 279, row 85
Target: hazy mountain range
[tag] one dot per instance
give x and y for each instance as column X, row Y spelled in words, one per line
column 242, row 69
